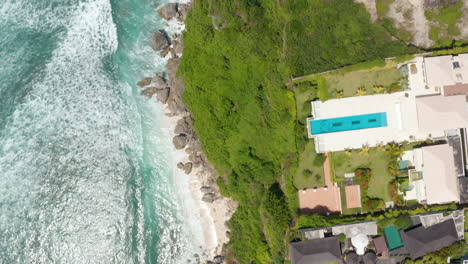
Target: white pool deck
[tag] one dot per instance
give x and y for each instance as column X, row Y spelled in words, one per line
column 408, row 115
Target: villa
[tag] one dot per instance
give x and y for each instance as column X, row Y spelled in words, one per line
column 433, row 173
column 433, row 107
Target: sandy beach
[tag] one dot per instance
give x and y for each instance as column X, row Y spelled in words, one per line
column 211, row 209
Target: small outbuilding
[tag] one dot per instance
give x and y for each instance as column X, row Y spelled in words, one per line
column 380, row 245
column 392, row 237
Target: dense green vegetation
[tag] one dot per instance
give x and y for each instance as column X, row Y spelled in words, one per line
column 235, row 76
column 323, row 35
column 309, row 172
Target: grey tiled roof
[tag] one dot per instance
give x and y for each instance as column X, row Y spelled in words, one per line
column 322, row 250
column 420, row 241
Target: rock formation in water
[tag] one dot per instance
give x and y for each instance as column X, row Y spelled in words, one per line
column 168, row 88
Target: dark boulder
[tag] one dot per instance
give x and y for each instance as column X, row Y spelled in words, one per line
column 159, row 80
column 218, row 259
column 163, row 94
column 165, row 51
column 182, row 11
column 184, row 126
column 180, row 165
column 144, row 82
column 159, row 41
column 188, row 168
column 175, row 106
column 168, row 11
column 206, row 189
column 180, row 141
column 208, row 197
column 150, row 91
column 172, row 67
column 178, row 46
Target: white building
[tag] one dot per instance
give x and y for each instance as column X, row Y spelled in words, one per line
column 433, row 173
column 434, row 107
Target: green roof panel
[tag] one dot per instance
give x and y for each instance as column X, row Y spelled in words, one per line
column 393, row 237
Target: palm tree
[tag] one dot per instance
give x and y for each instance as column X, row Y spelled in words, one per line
column 348, row 152
column 394, row 150
column 381, row 147
column 361, row 91
column 339, row 94
column 378, row 89
column 364, row 150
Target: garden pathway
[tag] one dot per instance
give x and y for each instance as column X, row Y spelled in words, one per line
column 327, row 171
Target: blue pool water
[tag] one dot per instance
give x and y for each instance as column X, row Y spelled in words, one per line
column 339, row 124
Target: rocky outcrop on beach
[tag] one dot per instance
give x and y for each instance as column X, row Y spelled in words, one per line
column 168, row 11
column 175, row 10
column 169, row 88
column 159, row 40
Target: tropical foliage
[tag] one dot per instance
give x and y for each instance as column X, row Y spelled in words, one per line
column 238, row 56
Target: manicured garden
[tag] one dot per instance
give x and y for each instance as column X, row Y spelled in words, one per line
column 365, row 82
column 372, row 158
column 309, row 172
column 372, row 77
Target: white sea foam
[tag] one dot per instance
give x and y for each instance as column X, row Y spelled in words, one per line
column 74, row 151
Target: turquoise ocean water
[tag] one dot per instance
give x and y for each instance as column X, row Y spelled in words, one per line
column 86, row 170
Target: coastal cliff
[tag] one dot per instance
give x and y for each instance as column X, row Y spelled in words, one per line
column 168, row 89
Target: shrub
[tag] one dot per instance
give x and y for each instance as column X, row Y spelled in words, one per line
column 307, row 173
column 318, row 160
column 342, row 237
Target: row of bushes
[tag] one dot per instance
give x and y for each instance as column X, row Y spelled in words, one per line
column 314, row 221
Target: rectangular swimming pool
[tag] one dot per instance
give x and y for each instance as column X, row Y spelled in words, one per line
column 339, row 124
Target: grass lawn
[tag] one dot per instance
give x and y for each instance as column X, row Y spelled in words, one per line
column 307, row 175
column 350, row 82
column 466, row 217
column 305, row 93
column 375, row 160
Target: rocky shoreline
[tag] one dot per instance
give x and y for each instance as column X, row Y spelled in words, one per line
column 168, row 88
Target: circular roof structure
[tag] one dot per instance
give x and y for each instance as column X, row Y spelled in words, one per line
column 352, row 258
column 360, row 242
column 370, row 257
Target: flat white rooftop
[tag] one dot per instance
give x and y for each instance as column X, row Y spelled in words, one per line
column 435, row 179
column 446, row 70
column 439, row 174
column 409, row 118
